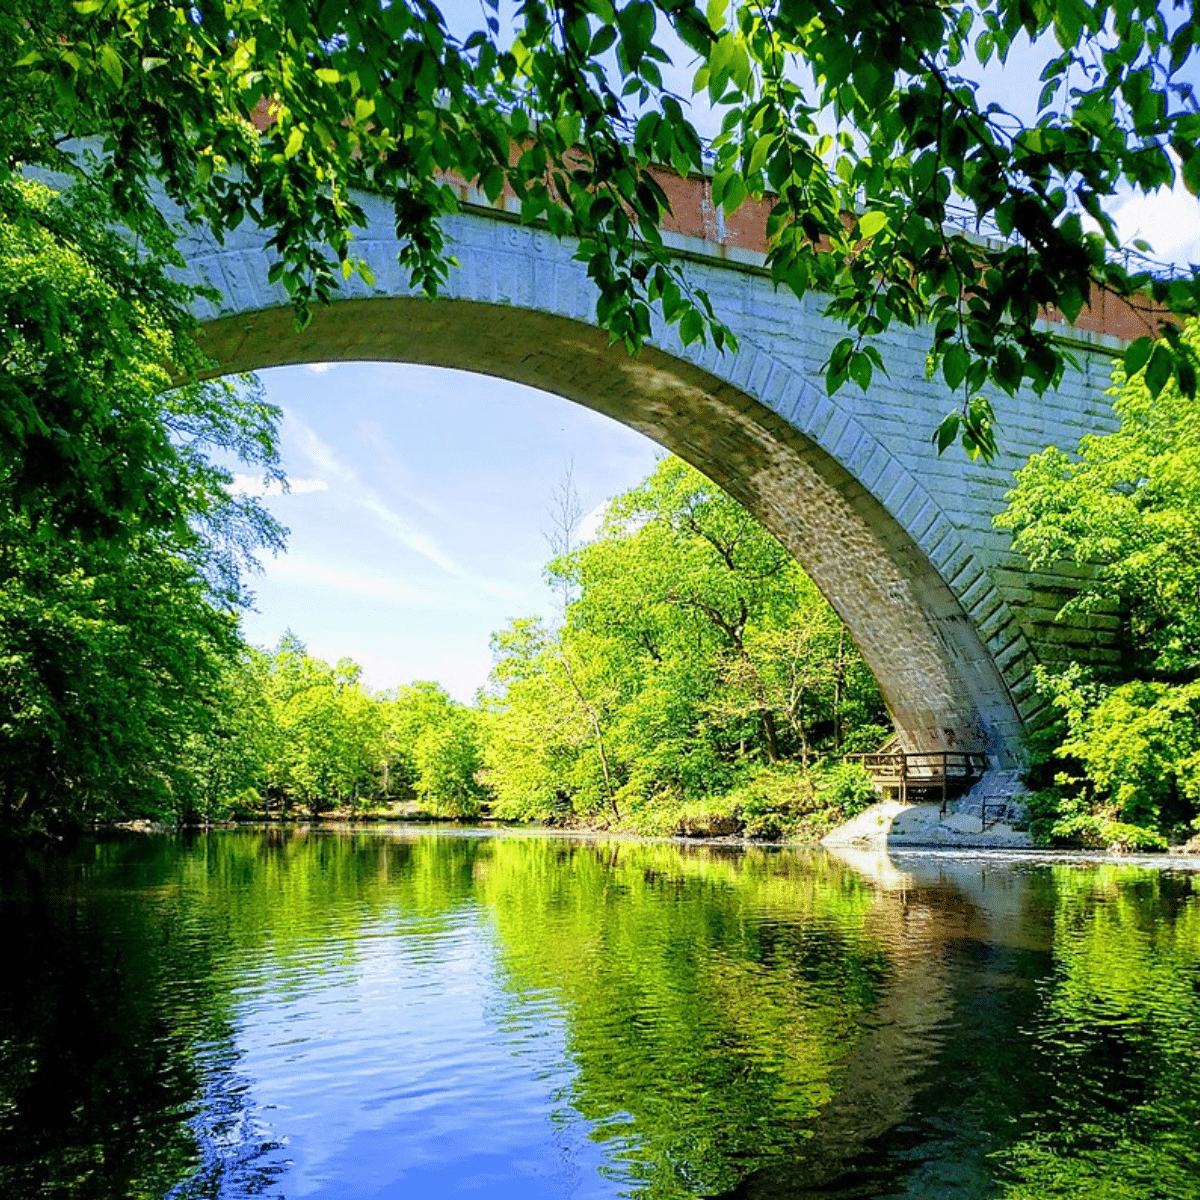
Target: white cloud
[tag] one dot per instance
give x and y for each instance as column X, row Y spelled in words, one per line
column 319, row 453
column 307, row 572
column 589, row 527
column 404, row 532
column 395, row 524
column 254, row 485
column 319, row 368
column 1169, row 219
column 297, row 570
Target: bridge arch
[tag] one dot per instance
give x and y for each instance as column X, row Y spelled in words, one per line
column 950, row 659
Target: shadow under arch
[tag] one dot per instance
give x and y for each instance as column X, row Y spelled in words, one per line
column 746, row 432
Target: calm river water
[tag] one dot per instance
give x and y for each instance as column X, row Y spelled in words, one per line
column 440, row 1013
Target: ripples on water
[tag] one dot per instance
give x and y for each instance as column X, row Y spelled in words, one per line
column 389, row 1014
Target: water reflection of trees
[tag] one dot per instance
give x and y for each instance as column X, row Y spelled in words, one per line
column 966, row 1029
column 105, row 1000
column 709, row 996
column 742, row 1023
column 1113, row 1102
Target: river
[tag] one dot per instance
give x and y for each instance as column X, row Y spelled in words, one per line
column 440, row 1012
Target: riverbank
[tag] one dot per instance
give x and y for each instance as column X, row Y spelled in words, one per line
column 807, row 821
column 892, row 824
column 843, row 843
column 841, row 848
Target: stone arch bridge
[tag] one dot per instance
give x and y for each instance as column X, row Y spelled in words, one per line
column 899, row 540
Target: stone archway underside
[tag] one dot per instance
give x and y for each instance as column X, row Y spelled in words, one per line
column 941, row 684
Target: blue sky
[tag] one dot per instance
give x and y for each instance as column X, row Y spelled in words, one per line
column 419, row 504
column 420, row 498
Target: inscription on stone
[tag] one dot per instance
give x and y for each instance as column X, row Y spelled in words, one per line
column 518, row 238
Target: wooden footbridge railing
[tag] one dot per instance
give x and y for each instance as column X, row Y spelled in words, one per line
column 931, row 774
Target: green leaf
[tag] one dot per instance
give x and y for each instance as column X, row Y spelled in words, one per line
column 1137, row 355
column 1070, row 301
column 636, row 22
column 1185, row 372
column 869, row 224
column 1159, row 370
column 839, row 357
column 691, row 326
column 955, row 364
column 1008, row 368
column 734, row 194
column 110, row 64
column 758, row 156
column 1191, row 174
column 569, row 126
column 860, row 370
column 946, row 433
column 979, row 435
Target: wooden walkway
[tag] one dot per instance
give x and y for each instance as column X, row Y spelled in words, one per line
column 930, row 775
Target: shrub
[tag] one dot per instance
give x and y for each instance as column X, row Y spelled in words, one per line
column 848, row 788
column 1132, row 759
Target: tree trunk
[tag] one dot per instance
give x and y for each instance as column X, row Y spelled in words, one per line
column 594, row 721
column 771, row 734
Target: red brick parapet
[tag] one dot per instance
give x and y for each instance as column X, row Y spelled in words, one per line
column 693, row 215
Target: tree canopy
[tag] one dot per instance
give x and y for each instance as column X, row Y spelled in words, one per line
column 862, row 122
column 122, row 543
column 697, row 666
column 1125, row 757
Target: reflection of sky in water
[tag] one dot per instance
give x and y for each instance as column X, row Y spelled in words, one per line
column 344, row 1017
column 393, row 1064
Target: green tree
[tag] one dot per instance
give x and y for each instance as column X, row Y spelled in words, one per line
column 107, row 664
column 436, row 749
column 332, row 732
column 273, row 112
column 682, row 573
column 548, row 749
column 123, row 546
column 695, row 653
column 229, row 759
column 447, row 758
column 1127, row 507
column 96, row 438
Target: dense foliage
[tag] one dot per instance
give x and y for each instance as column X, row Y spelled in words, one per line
column 121, row 544
column 696, row 684
column 696, row 673
column 274, row 112
column 1125, row 755
column 299, row 734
